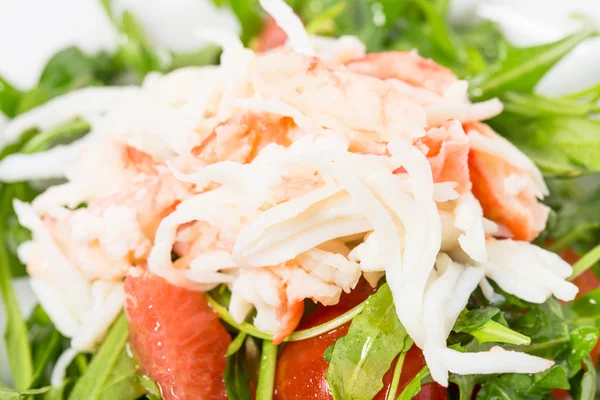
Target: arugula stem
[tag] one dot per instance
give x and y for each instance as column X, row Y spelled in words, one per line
column 586, row 262
column 266, row 377
column 41, row 141
column 396, row 378
column 492, row 331
column 236, row 344
column 295, row 336
column 595, row 90
column 243, row 327
column 547, row 58
column 81, row 362
column 326, row 18
column 89, row 385
column 327, row 326
column 43, row 360
column 414, row 386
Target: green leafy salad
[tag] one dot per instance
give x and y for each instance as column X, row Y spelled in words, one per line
column 328, row 217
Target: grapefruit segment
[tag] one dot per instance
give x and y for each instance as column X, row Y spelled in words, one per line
column 504, row 190
column 176, row 338
column 302, row 371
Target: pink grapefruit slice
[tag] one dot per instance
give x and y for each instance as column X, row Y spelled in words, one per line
column 176, row 338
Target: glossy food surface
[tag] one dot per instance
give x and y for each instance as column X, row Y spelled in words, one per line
column 176, row 338
column 302, row 370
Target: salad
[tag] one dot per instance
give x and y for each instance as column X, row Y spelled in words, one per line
column 351, row 201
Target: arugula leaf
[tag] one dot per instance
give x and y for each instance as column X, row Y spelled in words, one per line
column 426, row 29
column 361, row 358
column 68, row 70
column 522, row 68
column 27, row 364
column 583, row 386
column 150, row 387
column 71, row 69
column 523, row 386
column 7, row 393
column 576, row 221
column 121, row 383
column 14, row 236
column 560, row 146
column 109, row 373
column 205, row 56
column 406, row 25
column 556, row 133
column 584, row 311
column 30, row 142
column 16, row 340
column 365, row 21
column 466, row 384
column 328, row 353
column 493, row 332
column 248, row 13
column 17, row 145
column 11, row 233
column 484, row 43
column 136, row 50
column 475, row 319
column 32, row 98
column 63, row 133
column 46, row 345
column 535, row 106
column 9, row 98
column 583, row 340
column 488, row 325
column 554, row 336
column 237, row 379
column 546, row 326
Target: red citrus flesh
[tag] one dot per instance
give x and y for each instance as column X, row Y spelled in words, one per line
column 177, row 339
column 301, row 368
column 271, row 36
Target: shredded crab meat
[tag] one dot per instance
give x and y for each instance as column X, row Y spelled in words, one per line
column 469, row 219
column 337, row 99
column 444, row 300
column 544, row 276
column 338, row 51
column 47, row 165
column 432, row 86
column 447, row 150
column 441, row 112
column 288, row 175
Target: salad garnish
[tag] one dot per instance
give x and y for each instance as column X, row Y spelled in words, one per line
column 322, row 216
